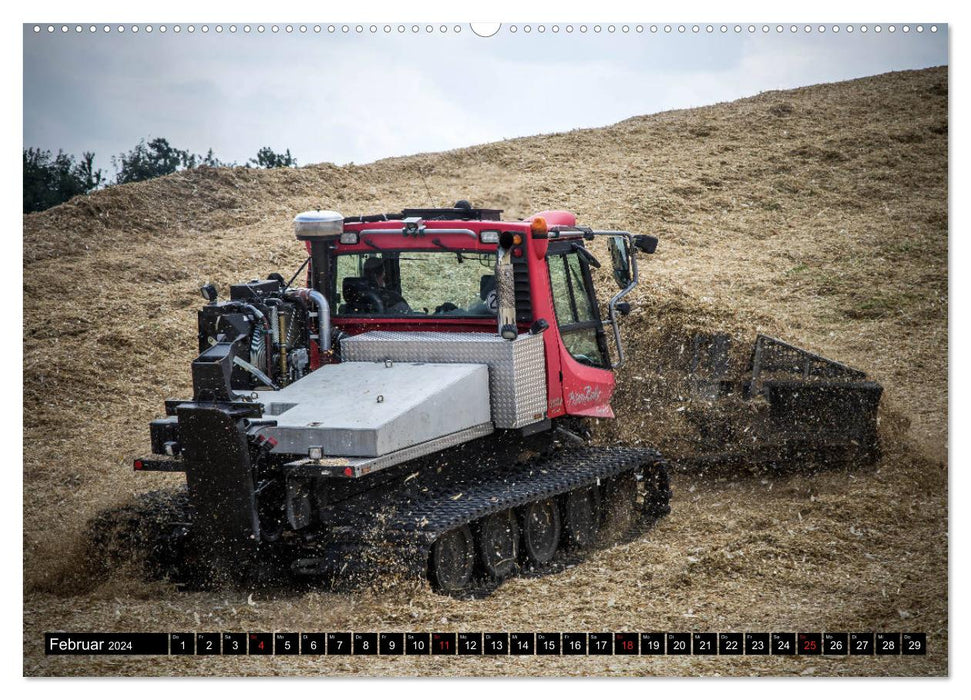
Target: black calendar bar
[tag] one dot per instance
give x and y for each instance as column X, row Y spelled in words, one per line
column 534, row 644
column 105, row 643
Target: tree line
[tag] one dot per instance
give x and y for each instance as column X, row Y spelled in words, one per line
column 52, row 179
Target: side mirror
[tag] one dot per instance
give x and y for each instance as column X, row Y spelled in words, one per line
column 646, row 243
column 540, row 325
column 620, row 258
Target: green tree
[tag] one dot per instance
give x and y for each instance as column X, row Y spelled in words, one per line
column 267, row 158
column 210, row 160
column 154, row 159
column 158, row 157
column 50, row 180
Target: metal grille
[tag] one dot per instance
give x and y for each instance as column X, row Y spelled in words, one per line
column 517, row 369
column 772, row 356
column 524, row 305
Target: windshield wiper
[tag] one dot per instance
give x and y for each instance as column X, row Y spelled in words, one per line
column 586, row 255
column 438, row 242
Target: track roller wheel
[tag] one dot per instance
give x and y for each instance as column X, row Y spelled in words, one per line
column 581, row 517
column 452, row 560
column 541, row 531
column 498, row 539
column 619, row 504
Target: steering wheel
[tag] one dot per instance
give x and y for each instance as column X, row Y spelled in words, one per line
column 373, row 300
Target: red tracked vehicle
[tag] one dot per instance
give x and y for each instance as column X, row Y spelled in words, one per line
column 417, row 406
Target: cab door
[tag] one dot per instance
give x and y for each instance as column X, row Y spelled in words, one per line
column 584, row 360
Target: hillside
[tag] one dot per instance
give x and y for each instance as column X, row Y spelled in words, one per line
column 818, row 215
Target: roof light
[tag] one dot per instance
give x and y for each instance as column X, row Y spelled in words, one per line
column 318, row 225
column 315, row 452
column 538, row 227
column 489, row 236
column 349, row 238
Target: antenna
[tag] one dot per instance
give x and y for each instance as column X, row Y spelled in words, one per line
column 428, row 192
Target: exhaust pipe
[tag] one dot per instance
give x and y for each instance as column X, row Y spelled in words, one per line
column 312, row 296
column 506, row 288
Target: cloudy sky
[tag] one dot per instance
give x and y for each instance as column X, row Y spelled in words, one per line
column 359, row 97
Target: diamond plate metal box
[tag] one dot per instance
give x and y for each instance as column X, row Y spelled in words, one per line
column 517, row 369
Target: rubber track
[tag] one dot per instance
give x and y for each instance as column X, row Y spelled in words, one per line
column 465, row 503
column 412, row 521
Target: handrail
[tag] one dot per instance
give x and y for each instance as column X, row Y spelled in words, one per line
column 404, row 231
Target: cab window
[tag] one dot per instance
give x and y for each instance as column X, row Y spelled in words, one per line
column 416, row 283
column 576, row 312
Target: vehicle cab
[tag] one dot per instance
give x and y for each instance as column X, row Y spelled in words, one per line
column 464, row 270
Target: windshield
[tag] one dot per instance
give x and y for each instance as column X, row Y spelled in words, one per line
column 447, row 283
